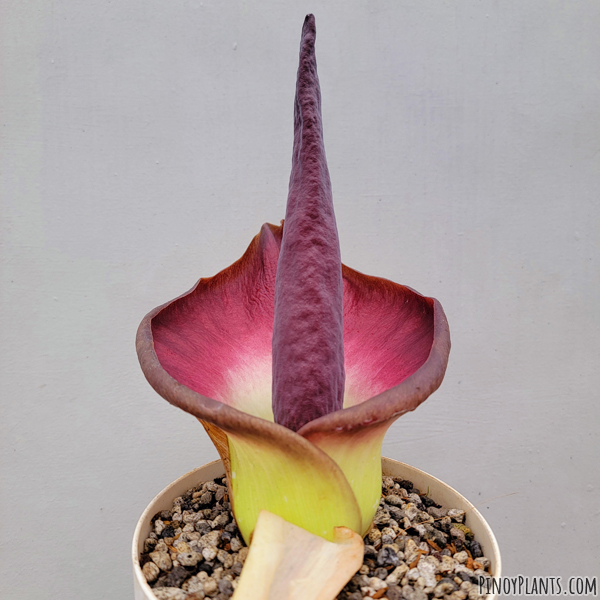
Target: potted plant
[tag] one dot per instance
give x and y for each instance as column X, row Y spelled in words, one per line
column 297, row 365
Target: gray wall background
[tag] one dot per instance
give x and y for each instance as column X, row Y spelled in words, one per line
column 144, row 144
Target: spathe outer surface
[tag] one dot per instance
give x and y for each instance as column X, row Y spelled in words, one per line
column 211, row 351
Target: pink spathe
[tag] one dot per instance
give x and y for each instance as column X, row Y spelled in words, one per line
column 208, row 336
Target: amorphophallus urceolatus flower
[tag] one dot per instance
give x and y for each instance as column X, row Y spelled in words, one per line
column 296, row 364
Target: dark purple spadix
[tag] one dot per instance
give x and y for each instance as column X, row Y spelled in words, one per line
column 308, row 344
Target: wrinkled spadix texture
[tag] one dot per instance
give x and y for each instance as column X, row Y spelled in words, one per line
column 209, row 352
column 308, row 344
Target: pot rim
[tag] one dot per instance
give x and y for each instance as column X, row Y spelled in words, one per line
column 492, row 548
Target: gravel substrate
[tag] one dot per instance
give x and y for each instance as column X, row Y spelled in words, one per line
column 415, row 551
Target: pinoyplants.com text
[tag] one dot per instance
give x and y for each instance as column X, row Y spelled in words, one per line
column 539, row 586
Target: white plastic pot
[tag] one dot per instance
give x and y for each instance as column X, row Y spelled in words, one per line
column 442, row 493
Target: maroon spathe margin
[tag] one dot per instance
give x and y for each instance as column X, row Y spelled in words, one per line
column 308, row 343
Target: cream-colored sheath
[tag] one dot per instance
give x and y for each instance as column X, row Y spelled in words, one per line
column 287, row 562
